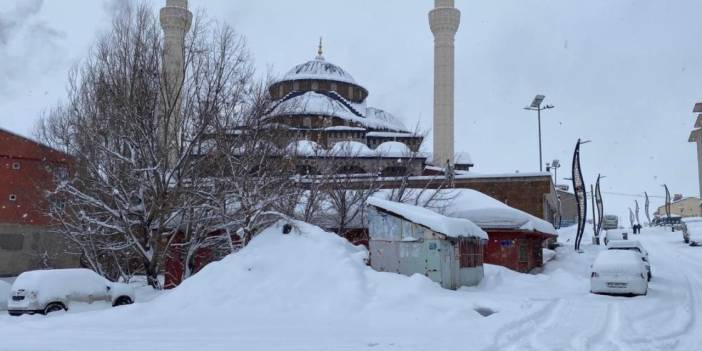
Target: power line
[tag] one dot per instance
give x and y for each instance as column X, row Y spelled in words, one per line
column 632, row 195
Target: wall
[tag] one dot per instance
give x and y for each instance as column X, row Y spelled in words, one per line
column 27, row 247
column 503, row 249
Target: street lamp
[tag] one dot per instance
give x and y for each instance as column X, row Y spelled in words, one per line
column 536, row 106
column 555, row 165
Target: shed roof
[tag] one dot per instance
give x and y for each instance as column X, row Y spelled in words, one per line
column 449, row 226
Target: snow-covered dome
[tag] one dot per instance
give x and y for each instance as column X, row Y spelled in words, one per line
column 304, row 148
column 393, row 149
column 319, row 69
column 351, row 149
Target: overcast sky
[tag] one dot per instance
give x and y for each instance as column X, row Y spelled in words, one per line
column 624, row 74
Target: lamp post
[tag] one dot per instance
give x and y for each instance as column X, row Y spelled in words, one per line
column 536, row 106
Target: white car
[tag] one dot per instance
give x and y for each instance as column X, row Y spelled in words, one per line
column 618, row 272
column 692, row 233
column 688, row 224
column 633, row 245
column 47, row 291
column 615, row 234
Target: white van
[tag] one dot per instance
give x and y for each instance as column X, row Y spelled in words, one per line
column 47, row 291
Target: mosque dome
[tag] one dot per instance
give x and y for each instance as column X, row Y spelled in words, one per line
column 319, row 69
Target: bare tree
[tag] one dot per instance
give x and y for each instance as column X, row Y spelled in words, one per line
column 127, row 194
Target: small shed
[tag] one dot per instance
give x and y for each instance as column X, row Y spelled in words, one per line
column 516, row 238
column 409, row 240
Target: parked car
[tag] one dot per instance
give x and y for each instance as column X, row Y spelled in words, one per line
column 610, row 222
column 4, row 293
column 615, row 234
column 47, row 291
column 618, row 272
column 690, row 223
column 633, row 245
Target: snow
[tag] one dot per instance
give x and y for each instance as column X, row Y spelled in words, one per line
column 481, row 209
column 310, row 290
column 55, row 284
column 351, row 149
column 618, row 261
column 319, row 69
column 313, row 103
column 393, row 149
column 489, row 213
column 453, row 227
column 389, row 135
column 305, row 148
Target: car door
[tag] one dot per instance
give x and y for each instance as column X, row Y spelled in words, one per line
column 96, row 287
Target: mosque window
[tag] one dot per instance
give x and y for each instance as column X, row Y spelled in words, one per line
column 307, row 122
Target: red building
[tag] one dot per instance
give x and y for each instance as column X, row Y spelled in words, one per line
column 28, row 170
column 518, row 250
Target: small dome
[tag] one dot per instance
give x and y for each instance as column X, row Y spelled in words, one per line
column 319, row 69
column 393, row 149
column 351, row 149
column 304, row 148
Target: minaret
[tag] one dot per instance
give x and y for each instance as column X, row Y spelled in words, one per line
column 444, row 20
column 175, row 22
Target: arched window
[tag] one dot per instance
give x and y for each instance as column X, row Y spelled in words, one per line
column 307, row 122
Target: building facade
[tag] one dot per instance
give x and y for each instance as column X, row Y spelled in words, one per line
column 29, row 170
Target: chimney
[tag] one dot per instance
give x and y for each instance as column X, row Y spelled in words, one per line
column 444, row 20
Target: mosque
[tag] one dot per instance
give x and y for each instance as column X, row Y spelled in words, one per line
column 325, row 112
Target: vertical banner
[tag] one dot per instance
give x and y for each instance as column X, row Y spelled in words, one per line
column 580, row 195
column 600, row 207
column 667, row 202
column 631, row 218
column 636, row 211
column 646, row 208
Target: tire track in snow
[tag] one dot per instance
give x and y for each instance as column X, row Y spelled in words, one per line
column 509, row 335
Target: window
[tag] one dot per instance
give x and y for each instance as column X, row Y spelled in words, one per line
column 16, row 166
column 307, row 122
column 13, row 197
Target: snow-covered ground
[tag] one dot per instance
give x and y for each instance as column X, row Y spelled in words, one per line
column 313, row 292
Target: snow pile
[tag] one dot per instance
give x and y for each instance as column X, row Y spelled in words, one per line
column 308, row 276
column 453, row 227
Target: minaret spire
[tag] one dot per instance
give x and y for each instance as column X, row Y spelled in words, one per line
column 175, row 22
column 444, row 20
column 320, row 52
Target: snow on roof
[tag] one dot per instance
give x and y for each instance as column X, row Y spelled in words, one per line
column 319, row 69
column 389, row 135
column 393, row 149
column 313, row 103
column 692, row 219
column 305, row 148
column 490, row 213
column 453, row 227
column 483, row 210
column 385, row 118
column 351, row 149
column 345, row 128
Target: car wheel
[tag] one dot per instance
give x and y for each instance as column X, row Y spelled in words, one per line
column 54, row 307
column 123, row 300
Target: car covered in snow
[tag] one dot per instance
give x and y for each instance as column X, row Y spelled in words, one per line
column 46, row 291
column 632, row 245
column 691, row 225
column 616, row 234
column 618, row 272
